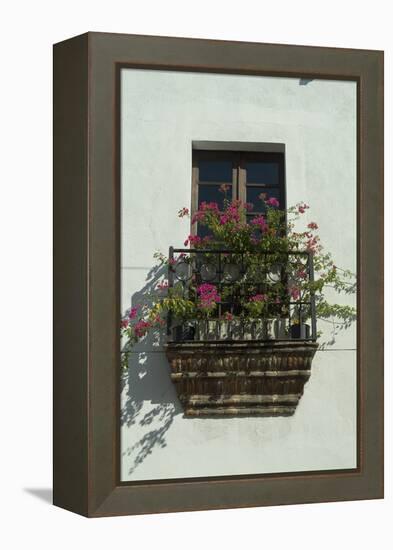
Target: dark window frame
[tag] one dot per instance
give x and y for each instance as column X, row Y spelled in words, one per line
column 239, row 182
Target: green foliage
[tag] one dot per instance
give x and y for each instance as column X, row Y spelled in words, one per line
column 261, row 247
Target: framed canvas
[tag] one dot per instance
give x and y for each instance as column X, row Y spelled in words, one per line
column 218, row 274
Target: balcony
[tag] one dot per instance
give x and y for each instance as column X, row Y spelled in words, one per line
column 252, row 353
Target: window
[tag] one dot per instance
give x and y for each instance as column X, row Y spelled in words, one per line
column 247, row 175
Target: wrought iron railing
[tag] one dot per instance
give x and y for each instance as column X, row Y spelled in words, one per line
column 286, row 278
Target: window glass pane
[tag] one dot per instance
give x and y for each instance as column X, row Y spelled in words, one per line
column 215, row 170
column 212, row 193
column 262, row 172
column 253, row 194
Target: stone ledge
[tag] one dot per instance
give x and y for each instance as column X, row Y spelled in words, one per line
column 240, row 377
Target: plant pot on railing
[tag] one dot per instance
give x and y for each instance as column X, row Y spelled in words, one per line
column 300, row 330
column 183, row 332
column 211, row 330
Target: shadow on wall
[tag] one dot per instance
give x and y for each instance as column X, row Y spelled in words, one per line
column 149, row 401
column 149, row 404
column 333, row 327
column 337, row 327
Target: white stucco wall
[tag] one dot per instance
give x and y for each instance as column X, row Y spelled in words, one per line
column 163, row 113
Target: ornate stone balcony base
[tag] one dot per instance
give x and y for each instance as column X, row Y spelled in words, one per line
column 240, row 377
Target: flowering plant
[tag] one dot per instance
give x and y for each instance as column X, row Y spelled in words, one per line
column 273, row 255
column 208, row 297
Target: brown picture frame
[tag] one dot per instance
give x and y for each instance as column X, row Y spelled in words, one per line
column 86, row 274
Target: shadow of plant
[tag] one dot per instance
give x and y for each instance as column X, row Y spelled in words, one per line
column 338, row 323
column 149, row 405
column 337, row 328
column 149, row 401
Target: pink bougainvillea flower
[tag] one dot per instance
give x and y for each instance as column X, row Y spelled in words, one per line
column 259, row 298
column 172, row 261
column 295, row 293
column 231, row 214
column 260, row 222
column 124, row 323
column 224, row 188
column 312, row 225
column 302, row 207
column 183, row 212
column 312, row 244
column 162, row 286
column 195, row 240
column 133, row 312
column 249, row 206
column 208, row 296
column 198, row 217
column 209, row 206
column 206, row 288
column 301, row 274
column 141, row 327
column 228, row 316
column 272, row 202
